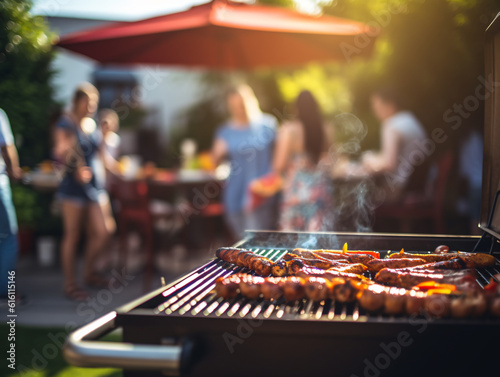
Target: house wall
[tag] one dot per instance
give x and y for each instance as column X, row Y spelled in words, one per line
column 162, row 90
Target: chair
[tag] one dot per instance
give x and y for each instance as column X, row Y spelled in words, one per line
column 135, row 209
column 429, row 206
column 207, row 214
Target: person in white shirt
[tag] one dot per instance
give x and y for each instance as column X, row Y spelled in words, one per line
column 9, row 168
column 402, row 143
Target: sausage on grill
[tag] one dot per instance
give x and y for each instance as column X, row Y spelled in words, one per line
column 408, row 277
column 356, row 268
column 244, row 258
column 227, row 287
column 317, row 288
column 333, row 256
column 250, row 286
column 471, row 260
column 293, row 288
column 272, row 288
column 376, row 265
column 372, row 299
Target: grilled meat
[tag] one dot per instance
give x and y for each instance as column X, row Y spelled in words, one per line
column 279, row 269
column 313, row 261
column 262, row 266
column 495, row 306
column 442, row 249
column 415, row 301
column 346, row 291
column 407, row 279
column 272, row 288
column 438, row 306
column 471, row 260
column 376, row 265
column 229, row 254
column 356, row 268
column 286, row 268
column 395, row 301
column 317, row 288
column 452, row 264
column 327, row 274
column 373, row 297
column 244, row 258
column 227, row 287
column 333, row 256
column 250, row 286
column 293, row 288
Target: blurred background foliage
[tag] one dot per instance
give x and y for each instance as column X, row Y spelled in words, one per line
column 27, row 97
column 431, row 51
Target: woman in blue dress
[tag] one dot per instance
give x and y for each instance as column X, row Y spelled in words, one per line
column 247, row 141
column 84, row 201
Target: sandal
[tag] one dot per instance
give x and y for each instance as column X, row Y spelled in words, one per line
column 97, row 281
column 75, row 293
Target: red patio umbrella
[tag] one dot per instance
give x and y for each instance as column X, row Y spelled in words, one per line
column 225, row 35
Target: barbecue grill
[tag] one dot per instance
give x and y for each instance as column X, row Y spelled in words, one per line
column 183, row 328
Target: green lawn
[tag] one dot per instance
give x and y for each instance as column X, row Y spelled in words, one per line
column 39, row 354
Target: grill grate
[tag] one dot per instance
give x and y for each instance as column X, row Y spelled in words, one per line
column 193, row 296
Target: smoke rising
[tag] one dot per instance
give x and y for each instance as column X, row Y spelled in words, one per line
column 355, row 197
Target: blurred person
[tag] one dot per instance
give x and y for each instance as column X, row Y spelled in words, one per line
column 402, row 137
column 9, row 168
column 247, row 140
column 301, row 157
column 85, row 204
column 109, row 123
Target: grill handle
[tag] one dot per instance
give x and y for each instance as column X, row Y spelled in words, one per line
column 83, row 349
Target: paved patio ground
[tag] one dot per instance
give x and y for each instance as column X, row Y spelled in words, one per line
column 46, row 306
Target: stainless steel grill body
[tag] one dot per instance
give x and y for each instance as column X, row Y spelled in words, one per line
column 211, row 336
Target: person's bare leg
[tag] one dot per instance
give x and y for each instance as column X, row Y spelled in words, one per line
column 100, row 226
column 72, row 215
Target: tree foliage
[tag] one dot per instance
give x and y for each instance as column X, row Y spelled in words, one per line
column 26, row 97
column 431, row 51
column 25, row 91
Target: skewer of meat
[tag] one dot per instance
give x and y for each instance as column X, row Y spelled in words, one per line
column 451, row 264
column 312, row 262
column 408, row 279
column 327, row 274
column 376, row 265
column 356, row 268
column 229, row 254
column 371, row 297
column 333, row 256
column 415, row 265
column 245, row 258
column 471, row 260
